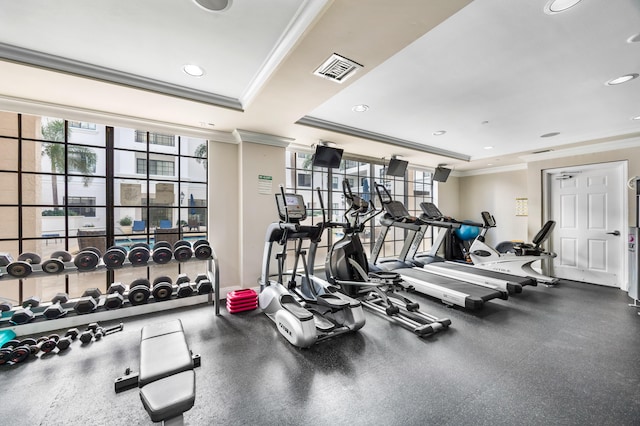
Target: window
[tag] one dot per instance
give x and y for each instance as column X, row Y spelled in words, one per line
column 79, row 206
column 304, row 179
column 155, row 138
column 69, row 201
column 156, row 167
column 81, row 160
column 362, row 177
column 82, row 125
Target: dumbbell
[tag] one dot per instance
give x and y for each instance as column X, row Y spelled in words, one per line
column 114, row 257
column 55, row 264
column 139, row 254
column 162, row 252
column 139, row 291
column 182, row 251
column 24, row 265
column 5, row 306
column 95, row 331
column 5, row 259
column 88, row 259
column 88, row 302
column 25, row 314
column 65, row 341
column 115, row 296
column 55, row 310
column 162, row 288
column 203, row 284
column 16, row 351
column 202, row 250
column 47, row 344
column 184, row 286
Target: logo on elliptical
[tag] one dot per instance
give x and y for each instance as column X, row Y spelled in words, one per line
column 284, row 328
column 482, row 253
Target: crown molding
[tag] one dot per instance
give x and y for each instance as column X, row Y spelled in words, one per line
column 261, row 138
column 501, row 169
column 84, row 69
column 306, row 14
column 629, row 141
column 352, row 131
column 30, row 106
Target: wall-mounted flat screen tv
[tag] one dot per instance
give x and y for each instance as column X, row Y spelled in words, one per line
column 326, row 156
column 397, row 167
column 441, row 174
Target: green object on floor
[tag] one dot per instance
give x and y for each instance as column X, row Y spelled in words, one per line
column 6, row 335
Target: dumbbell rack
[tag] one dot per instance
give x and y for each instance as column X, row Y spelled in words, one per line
column 72, row 319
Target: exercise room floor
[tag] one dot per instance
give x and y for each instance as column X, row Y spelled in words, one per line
column 566, row 355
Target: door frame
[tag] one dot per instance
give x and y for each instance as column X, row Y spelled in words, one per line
column 547, row 199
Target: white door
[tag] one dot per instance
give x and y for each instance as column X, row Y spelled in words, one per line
column 588, row 204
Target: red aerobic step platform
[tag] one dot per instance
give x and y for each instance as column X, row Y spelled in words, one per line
column 241, row 300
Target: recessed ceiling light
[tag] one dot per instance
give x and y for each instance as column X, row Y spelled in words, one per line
column 360, row 108
column 634, row 38
column 621, row 79
column 557, row 6
column 636, row 117
column 439, row 133
column 489, row 164
column 193, row 70
column 213, row 5
column 488, row 147
column 550, row 135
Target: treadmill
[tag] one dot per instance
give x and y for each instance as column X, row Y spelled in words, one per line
column 450, row 291
column 431, row 262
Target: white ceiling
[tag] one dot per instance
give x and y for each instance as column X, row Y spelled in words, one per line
column 489, row 72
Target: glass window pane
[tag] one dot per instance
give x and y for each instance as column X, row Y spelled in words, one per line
column 130, row 192
column 129, row 139
column 85, row 133
column 193, row 169
column 84, row 160
column 193, row 147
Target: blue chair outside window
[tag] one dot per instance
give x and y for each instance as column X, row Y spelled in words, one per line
column 139, row 226
column 165, row 224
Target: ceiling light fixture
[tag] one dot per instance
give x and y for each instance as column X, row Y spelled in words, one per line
column 213, row 5
column 550, row 135
column 558, row 6
column 636, row 117
column 193, row 70
column 634, row 38
column 439, row 133
column 360, row 108
column 621, row 79
column 488, row 147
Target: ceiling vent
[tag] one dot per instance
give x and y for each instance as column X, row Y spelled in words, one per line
column 337, row 68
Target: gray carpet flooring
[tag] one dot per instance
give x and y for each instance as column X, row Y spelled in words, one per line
column 566, row 355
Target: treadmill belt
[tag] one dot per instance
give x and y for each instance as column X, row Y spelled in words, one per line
column 486, row 273
column 475, row 291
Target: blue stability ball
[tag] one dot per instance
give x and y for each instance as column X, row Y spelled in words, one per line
column 467, row 232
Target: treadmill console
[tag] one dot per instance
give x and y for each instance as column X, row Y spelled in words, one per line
column 295, row 207
column 396, row 209
column 431, row 211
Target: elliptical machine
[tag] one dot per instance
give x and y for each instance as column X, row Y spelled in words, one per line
column 347, row 267
column 512, row 258
column 304, row 312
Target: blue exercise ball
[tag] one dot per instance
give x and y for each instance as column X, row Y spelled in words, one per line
column 467, row 232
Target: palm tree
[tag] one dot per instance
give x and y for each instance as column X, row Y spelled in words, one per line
column 201, row 152
column 80, row 158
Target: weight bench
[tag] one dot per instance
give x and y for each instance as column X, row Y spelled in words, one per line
column 166, row 377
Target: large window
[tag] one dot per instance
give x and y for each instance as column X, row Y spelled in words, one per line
column 74, row 185
column 362, row 176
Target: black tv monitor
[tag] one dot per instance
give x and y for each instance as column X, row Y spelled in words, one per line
column 326, row 156
column 441, row 174
column 397, row 167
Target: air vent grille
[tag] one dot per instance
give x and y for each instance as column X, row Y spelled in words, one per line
column 337, row 68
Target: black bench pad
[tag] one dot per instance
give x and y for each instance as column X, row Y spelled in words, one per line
column 169, row 397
